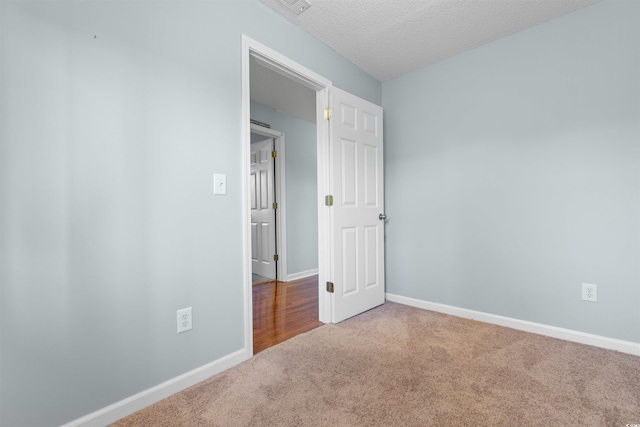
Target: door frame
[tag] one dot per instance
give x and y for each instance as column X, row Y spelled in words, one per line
column 280, row 197
column 277, row 62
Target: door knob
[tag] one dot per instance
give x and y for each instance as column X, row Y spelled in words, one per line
column 382, row 217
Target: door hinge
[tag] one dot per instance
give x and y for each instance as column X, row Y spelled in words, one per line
column 328, row 112
column 275, row 205
column 328, row 200
column 330, row 287
column 275, row 257
column 274, row 153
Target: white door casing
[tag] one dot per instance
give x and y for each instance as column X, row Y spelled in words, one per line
column 357, row 246
column 263, row 218
column 275, row 61
column 265, row 56
column 279, row 196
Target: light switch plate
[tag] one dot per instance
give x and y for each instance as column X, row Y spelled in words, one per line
column 219, row 183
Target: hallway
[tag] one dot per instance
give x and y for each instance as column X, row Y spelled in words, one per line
column 282, row 310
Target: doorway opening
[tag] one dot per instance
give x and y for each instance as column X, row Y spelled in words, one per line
column 264, row 254
column 267, row 184
column 256, row 53
column 286, row 306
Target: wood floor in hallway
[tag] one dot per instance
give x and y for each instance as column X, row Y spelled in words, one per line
column 282, row 310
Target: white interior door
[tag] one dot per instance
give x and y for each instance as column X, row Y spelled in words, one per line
column 357, row 255
column 263, row 218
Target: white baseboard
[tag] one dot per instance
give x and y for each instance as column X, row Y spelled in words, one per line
column 523, row 325
column 152, row 395
column 301, row 275
column 128, row 406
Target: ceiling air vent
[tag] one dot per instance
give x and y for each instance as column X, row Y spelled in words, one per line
column 296, row 6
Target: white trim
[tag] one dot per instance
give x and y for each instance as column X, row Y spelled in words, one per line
column 279, row 63
column 265, row 131
column 152, row 395
column 522, row 325
column 301, row 275
column 325, row 244
column 246, row 194
column 281, row 212
column 275, row 61
column 281, row 197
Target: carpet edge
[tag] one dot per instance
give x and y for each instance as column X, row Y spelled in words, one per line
column 622, row 346
column 147, row 397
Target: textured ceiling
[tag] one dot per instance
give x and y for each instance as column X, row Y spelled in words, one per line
column 388, row 38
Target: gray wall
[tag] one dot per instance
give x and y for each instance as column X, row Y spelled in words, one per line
column 301, row 187
column 114, row 116
column 513, row 175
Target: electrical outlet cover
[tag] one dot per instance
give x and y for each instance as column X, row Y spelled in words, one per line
column 589, row 292
column 185, row 319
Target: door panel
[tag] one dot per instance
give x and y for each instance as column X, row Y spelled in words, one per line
column 371, row 240
column 263, row 242
column 371, row 176
column 357, row 259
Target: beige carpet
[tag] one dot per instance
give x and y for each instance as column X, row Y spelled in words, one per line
column 402, row 366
